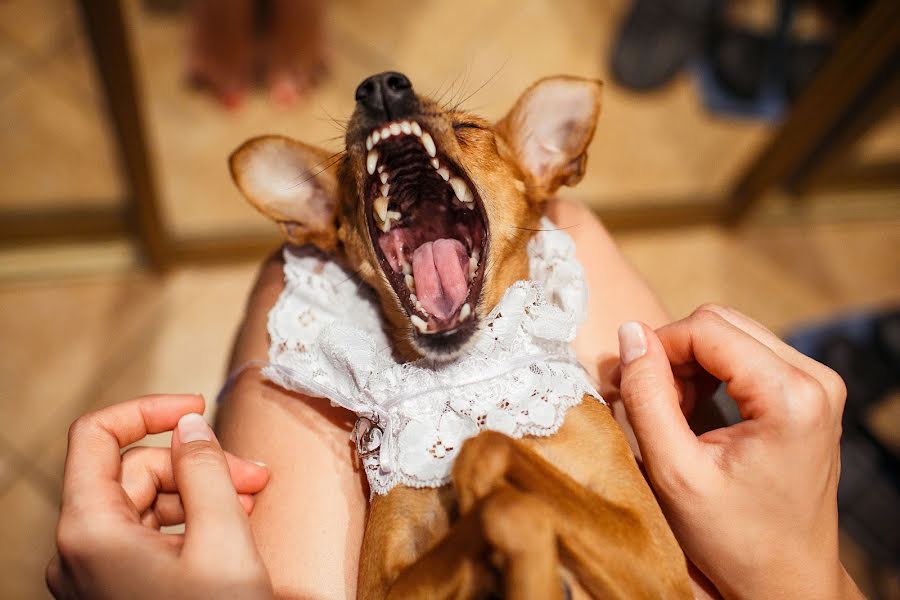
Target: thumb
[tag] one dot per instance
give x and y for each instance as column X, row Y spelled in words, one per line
column 214, row 518
column 650, row 397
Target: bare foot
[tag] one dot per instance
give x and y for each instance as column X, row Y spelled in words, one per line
column 296, row 53
column 221, row 48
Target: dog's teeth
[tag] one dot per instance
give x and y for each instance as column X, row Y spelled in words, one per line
column 380, row 206
column 465, row 311
column 416, row 129
column 383, row 176
column 407, row 268
column 410, row 281
column 381, row 168
column 393, row 215
column 473, row 267
column 414, row 300
column 435, row 163
column 371, row 161
column 461, row 190
column 421, row 325
column 405, row 127
column 369, row 143
column 385, row 188
column 476, row 255
column 429, row 144
column 376, row 137
column 395, row 128
column 385, row 133
column 444, row 173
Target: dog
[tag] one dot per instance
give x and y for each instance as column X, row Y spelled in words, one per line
column 428, row 205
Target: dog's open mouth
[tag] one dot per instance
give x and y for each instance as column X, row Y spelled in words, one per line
column 428, row 227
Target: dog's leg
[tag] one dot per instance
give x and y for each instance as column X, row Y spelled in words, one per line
column 400, row 527
column 509, row 529
column 614, row 548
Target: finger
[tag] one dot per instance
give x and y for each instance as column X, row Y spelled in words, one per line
column 148, row 471
column 96, row 439
column 167, row 510
column 832, row 382
column 651, row 400
column 214, row 517
column 755, row 376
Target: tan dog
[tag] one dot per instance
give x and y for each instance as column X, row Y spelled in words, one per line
column 429, row 207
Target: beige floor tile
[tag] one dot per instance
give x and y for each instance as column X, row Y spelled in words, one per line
column 183, row 348
column 56, row 147
column 656, row 147
column 61, row 340
column 26, row 541
column 34, row 24
column 781, row 276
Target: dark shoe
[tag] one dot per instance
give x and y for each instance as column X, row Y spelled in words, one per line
column 657, row 38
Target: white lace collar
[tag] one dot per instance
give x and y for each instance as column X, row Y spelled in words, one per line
column 519, row 378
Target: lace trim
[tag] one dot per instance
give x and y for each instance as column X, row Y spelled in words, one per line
column 327, row 341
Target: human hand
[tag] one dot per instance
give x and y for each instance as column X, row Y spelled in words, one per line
column 753, row 505
column 108, row 538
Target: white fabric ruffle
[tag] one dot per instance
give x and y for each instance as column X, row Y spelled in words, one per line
column 519, row 377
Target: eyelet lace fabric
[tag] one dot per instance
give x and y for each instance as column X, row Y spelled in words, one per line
column 518, row 377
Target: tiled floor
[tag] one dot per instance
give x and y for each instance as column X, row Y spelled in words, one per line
column 84, row 330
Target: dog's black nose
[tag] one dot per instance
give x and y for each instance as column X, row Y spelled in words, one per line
column 386, row 96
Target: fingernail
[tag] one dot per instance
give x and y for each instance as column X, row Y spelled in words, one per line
column 632, row 342
column 192, row 427
column 259, row 463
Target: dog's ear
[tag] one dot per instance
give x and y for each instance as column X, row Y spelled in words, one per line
column 549, row 128
column 288, row 182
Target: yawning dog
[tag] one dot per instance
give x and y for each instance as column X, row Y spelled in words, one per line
column 434, row 210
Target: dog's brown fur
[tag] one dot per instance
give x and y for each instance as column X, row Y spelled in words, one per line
column 520, row 512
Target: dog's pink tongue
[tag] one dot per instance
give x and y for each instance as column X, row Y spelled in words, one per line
column 440, row 269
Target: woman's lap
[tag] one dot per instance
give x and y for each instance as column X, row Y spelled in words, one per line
column 309, row 520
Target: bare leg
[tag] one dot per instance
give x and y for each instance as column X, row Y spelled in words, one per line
column 220, row 57
column 309, row 521
column 616, row 293
column 296, row 52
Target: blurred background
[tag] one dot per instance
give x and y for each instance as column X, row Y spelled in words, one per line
column 748, row 154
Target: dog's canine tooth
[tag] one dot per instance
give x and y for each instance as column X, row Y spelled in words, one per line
column 473, row 267
column 410, row 281
column 444, row 173
column 461, row 190
column 465, row 311
column 376, row 137
column 435, row 163
column 395, row 128
column 385, row 188
column 429, row 144
column 405, row 127
column 369, row 143
column 382, row 175
column 416, row 129
column 421, row 325
column 371, row 161
column 385, row 133
column 380, row 206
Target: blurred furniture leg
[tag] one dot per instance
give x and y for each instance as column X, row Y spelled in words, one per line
column 108, row 33
column 839, row 95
